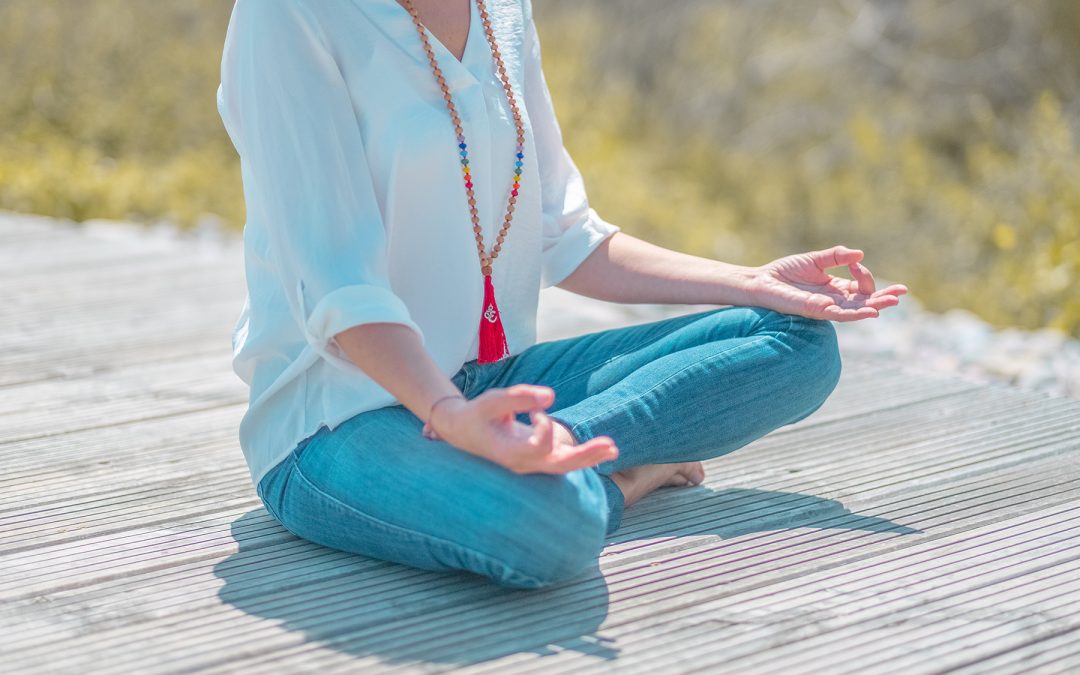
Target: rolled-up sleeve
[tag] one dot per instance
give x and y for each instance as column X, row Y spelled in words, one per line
column 571, row 228
column 307, row 183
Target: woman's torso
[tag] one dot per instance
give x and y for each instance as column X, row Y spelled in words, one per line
column 431, row 250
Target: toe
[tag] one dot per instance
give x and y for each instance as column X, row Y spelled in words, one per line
column 696, row 474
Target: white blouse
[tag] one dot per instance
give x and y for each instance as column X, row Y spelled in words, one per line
column 356, row 209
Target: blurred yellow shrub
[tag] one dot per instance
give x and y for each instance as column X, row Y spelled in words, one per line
column 940, row 137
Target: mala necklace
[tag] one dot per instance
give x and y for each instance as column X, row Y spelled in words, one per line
column 492, row 338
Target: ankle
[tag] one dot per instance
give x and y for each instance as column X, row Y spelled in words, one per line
column 626, row 485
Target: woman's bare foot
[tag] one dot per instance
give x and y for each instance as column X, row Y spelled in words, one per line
column 638, row 481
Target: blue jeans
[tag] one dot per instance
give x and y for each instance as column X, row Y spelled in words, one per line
column 680, row 389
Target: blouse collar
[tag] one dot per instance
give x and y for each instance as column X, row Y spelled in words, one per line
column 394, row 21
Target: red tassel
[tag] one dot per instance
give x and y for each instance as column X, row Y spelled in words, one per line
column 492, row 338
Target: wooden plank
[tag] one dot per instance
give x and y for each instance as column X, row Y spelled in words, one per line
column 142, row 392
column 1055, row 653
column 751, row 625
column 943, row 612
column 52, row 469
column 96, row 302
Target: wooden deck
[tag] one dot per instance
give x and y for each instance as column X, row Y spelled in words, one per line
column 916, row 523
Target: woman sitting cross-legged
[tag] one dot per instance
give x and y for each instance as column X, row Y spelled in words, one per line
column 408, row 195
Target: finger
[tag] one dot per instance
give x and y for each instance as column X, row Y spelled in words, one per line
column 835, row 256
column 894, row 289
column 863, row 276
column 882, row 301
column 837, row 313
column 857, row 300
column 430, row 433
column 847, row 285
column 590, row 453
column 514, row 399
column 543, row 429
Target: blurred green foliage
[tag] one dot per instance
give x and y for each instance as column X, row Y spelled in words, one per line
column 938, row 136
column 108, row 110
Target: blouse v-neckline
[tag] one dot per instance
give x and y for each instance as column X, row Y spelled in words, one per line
column 468, row 36
column 396, row 23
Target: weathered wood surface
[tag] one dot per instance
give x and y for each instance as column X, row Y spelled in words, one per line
column 916, row 523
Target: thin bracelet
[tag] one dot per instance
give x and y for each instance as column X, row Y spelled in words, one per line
column 438, row 401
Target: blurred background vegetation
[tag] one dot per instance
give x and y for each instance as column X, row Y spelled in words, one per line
column 939, row 136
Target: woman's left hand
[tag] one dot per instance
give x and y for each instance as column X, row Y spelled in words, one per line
column 798, row 284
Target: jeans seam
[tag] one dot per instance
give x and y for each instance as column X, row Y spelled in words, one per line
column 631, row 400
column 467, row 380
column 588, row 369
column 265, row 502
column 413, row 533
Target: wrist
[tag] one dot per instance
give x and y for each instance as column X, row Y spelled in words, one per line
column 740, row 282
column 443, row 409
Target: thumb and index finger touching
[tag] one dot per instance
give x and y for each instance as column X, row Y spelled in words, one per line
column 535, row 399
column 518, row 398
column 838, row 255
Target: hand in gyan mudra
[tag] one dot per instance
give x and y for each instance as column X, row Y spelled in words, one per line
column 799, row 284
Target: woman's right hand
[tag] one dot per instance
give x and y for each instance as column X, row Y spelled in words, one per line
column 487, row 426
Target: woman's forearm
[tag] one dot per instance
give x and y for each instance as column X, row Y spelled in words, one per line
column 622, row 269
column 630, row 270
column 394, row 356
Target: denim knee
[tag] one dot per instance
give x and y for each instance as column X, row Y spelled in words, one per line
column 818, row 340
column 819, row 353
column 555, row 542
column 573, row 560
